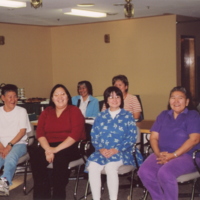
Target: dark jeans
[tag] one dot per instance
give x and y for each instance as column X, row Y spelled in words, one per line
column 42, row 189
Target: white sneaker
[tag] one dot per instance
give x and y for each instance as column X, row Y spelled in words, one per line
column 4, row 187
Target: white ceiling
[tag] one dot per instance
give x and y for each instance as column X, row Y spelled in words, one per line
column 50, row 14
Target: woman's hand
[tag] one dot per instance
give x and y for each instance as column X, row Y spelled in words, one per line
column 108, row 152
column 1, row 151
column 6, row 151
column 164, row 157
column 111, row 152
column 50, row 157
column 51, row 150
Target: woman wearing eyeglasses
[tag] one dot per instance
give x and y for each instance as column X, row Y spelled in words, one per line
column 174, row 136
column 113, row 135
column 131, row 102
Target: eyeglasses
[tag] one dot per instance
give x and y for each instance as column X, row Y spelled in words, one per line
column 114, row 97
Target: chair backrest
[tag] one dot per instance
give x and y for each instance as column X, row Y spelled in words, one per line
column 142, row 113
column 101, row 104
column 30, row 135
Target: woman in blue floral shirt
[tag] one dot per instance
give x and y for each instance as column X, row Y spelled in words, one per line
column 113, row 135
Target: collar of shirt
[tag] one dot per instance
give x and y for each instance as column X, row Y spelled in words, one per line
column 170, row 112
column 114, row 113
column 83, row 105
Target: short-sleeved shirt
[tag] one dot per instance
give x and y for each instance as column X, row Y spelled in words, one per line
column 174, row 132
column 11, row 123
column 132, row 104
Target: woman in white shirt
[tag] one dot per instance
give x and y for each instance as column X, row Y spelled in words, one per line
column 14, row 124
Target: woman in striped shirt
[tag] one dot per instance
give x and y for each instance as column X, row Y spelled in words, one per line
column 131, row 102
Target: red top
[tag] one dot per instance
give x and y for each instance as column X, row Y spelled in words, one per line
column 56, row 129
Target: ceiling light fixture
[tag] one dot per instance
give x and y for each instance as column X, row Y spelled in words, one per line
column 12, row 4
column 36, row 3
column 128, row 9
column 85, row 5
column 84, row 13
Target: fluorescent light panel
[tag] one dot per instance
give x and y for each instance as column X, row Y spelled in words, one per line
column 85, row 5
column 12, row 4
column 84, row 13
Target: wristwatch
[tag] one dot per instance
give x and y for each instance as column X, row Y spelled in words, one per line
column 10, row 144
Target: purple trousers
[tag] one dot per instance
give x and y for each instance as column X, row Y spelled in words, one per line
column 160, row 180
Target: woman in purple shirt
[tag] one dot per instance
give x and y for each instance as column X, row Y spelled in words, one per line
column 174, row 136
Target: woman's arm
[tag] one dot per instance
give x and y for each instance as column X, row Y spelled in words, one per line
column 65, row 144
column 19, row 136
column 136, row 115
column 45, row 145
column 130, row 134
column 161, row 156
column 16, row 139
column 154, row 142
column 194, row 139
column 95, row 139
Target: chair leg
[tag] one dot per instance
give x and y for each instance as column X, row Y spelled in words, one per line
column 193, row 189
column 25, row 179
column 145, row 194
column 131, row 185
column 86, row 189
column 77, row 181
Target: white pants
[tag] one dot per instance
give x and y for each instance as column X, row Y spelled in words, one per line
column 112, row 179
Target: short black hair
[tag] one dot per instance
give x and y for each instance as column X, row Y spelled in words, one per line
column 8, row 88
column 122, row 78
column 88, row 86
column 109, row 91
column 51, row 103
column 187, row 95
column 179, row 89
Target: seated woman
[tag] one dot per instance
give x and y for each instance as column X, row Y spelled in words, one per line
column 88, row 105
column 174, row 136
column 131, row 102
column 60, row 127
column 14, row 124
column 113, row 135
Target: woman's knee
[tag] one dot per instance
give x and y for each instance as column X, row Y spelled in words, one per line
column 142, row 172
column 166, row 175
column 95, row 168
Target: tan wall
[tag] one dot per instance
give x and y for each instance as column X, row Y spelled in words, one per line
column 25, row 59
column 142, row 49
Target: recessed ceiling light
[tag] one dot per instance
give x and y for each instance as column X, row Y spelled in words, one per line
column 85, row 5
column 84, row 13
column 12, row 4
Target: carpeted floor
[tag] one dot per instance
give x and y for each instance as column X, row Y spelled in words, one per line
column 16, row 190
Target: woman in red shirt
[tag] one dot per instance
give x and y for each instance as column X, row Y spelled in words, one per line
column 60, row 128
